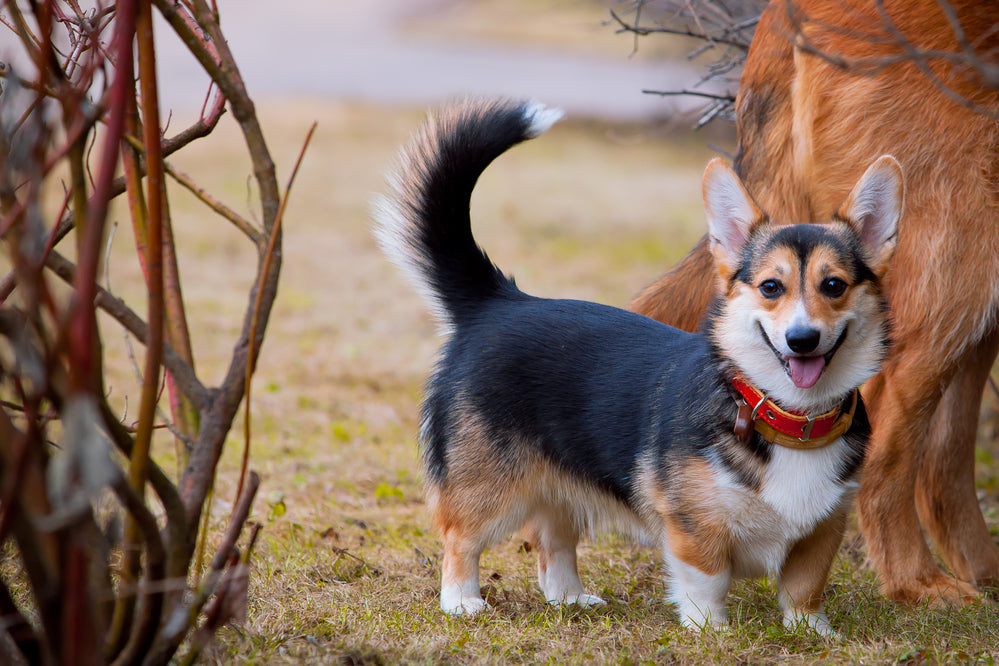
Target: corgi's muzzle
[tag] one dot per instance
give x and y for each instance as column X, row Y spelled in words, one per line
column 803, row 369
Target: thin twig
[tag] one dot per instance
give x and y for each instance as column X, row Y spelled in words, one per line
column 728, row 97
column 206, row 198
column 686, row 32
column 120, row 312
column 268, row 258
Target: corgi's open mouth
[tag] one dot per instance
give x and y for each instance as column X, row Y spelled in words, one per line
column 804, row 371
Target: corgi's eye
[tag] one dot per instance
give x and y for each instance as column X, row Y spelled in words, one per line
column 771, row 288
column 833, row 287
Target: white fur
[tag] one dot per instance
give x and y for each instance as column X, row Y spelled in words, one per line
column 761, row 534
column 876, row 203
column 798, row 491
column 817, row 621
column 462, row 597
column 540, row 118
column 556, row 535
column 729, row 210
column 394, row 234
column 699, row 597
column 560, row 581
column 802, row 488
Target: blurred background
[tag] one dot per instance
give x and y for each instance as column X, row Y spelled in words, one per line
column 401, row 53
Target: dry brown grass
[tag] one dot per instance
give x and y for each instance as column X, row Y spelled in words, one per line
column 346, row 570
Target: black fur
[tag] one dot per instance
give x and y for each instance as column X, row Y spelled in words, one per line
column 591, row 386
column 803, row 239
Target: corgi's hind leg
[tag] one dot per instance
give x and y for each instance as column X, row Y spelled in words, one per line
column 554, row 536
column 460, row 593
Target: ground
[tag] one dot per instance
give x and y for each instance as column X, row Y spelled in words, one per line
column 347, row 566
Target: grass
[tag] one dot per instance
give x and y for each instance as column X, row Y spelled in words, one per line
column 346, row 570
column 347, row 567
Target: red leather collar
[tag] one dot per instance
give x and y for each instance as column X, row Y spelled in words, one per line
column 800, row 430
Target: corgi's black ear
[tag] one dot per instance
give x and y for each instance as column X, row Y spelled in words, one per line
column 731, row 214
column 874, row 208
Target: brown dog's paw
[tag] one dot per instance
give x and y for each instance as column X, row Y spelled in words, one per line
column 941, row 590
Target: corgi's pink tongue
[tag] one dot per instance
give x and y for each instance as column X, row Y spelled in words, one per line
column 805, row 370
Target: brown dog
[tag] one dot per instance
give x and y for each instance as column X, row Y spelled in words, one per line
column 807, row 130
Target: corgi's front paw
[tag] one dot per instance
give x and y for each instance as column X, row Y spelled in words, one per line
column 582, row 600
column 700, row 616
column 816, row 621
column 455, row 601
column 465, row 607
column 701, row 622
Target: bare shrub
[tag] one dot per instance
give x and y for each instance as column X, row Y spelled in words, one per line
column 84, row 108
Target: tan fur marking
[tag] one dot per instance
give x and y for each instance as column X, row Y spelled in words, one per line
column 803, row 577
column 779, row 264
column 694, row 523
column 823, row 264
column 489, row 494
column 480, row 486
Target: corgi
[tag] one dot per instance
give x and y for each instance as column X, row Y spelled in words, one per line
column 735, row 450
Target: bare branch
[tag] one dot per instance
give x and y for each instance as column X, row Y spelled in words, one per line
column 206, row 198
column 723, row 38
column 125, row 316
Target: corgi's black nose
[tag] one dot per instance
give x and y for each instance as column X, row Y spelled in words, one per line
column 802, row 339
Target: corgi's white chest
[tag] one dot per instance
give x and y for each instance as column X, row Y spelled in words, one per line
column 802, row 485
column 799, row 490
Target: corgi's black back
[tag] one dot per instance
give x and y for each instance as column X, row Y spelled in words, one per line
column 585, row 384
column 579, row 382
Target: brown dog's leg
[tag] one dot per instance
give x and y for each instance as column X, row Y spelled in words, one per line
column 945, row 489
column 901, row 401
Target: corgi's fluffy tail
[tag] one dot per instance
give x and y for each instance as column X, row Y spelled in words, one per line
column 423, row 223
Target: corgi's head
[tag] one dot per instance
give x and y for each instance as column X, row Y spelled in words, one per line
column 801, row 312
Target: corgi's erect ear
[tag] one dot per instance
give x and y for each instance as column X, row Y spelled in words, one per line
column 731, row 214
column 874, row 208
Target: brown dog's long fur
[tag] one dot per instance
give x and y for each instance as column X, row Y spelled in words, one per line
column 807, row 129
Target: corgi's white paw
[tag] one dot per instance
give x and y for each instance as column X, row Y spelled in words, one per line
column 700, row 622
column 462, row 599
column 702, row 615
column 816, row 621
column 583, row 600
column 465, row 607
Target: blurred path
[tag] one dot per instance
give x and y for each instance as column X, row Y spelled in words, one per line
column 356, row 50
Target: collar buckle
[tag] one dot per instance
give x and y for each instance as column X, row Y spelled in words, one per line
column 806, row 429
